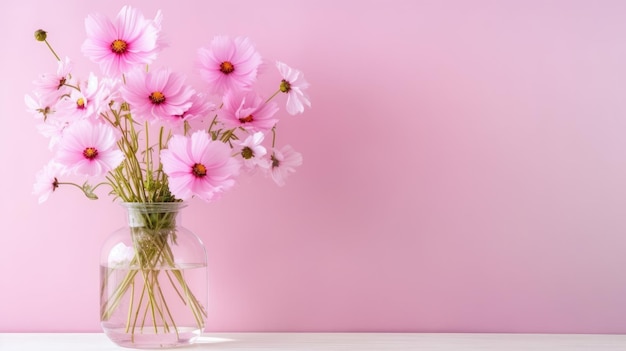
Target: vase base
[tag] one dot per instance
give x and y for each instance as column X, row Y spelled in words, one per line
column 152, row 340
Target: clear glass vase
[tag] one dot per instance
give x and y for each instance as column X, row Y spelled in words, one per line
column 154, row 280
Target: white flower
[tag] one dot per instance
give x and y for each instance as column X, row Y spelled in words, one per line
column 284, row 162
column 293, row 84
column 253, row 152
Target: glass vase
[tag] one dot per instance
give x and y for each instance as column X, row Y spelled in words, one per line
column 154, row 281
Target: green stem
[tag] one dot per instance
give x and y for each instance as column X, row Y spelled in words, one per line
column 83, row 188
column 213, row 122
column 71, row 86
column 273, row 95
column 52, row 50
column 130, row 308
column 143, row 291
column 273, row 136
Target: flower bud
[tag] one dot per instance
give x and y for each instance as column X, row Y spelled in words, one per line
column 41, row 35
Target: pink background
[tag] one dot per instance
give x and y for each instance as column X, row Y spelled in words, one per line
column 464, row 170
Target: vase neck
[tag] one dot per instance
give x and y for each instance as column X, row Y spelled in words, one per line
column 153, row 215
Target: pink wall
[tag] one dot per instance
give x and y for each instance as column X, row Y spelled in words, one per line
column 464, row 170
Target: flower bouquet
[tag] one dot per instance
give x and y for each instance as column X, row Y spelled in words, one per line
column 151, row 139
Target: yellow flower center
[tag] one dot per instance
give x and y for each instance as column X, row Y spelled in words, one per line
column 247, row 119
column 90, row 153
column 119, row 46
column 80, row 103
column 285, row 86
column 199, row 170
column 157, row 97
column 226, row 67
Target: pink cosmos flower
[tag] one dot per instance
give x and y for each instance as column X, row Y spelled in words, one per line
column 284, row 162
column 54, row 83
column 53, row 129
column 194, row 117
column 198, row 166
column 293, row 84
column 46, row 181
column 83, row 103
column 120, row 46
column 89, row 149
column 40, row 105
column 200, row 106
column 159, row 94
column 253, row 152
column 247, row 110
column 108, row 95
column 229, row 64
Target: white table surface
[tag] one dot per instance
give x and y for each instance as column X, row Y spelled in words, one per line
column 332, row 341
